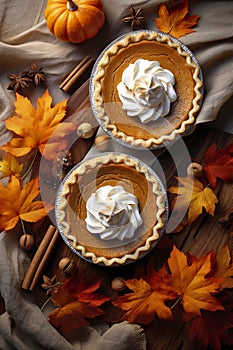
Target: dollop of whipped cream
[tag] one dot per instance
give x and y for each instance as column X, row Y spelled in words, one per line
column 112, row 212
column 146, row 90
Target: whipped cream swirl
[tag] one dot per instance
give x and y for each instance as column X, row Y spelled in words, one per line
column 146, row 90
column 112, row 212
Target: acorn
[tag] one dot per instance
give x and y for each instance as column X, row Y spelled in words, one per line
column 26, row 241
column 67, row 266
column 85, row 130
column 118, row 284
column 102, row 142
column 195, row 169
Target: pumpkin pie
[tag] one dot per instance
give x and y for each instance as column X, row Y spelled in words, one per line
column 116, row 73
column 124, row 175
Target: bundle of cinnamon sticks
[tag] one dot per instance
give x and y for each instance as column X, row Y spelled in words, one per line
column 40, row 259
column 78, row 75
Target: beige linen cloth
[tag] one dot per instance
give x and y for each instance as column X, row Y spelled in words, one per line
column 24, row 38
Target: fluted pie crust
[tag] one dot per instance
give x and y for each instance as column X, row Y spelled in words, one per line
column 171, row 55
column 110, row 169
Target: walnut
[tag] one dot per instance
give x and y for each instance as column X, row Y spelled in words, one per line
column 26, row 241
column 85, row 130
column 118, row 284
column 195, row 169
column 67, row 266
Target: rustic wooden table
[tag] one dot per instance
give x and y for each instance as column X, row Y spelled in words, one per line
column 202, row 236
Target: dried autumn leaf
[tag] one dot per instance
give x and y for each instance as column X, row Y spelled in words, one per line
column 10, row 166
column 224, row 267
column 219, row 164
column 212, row 329
column 37, row 128
column 20, row 203
column 145, row 301
column 192, row 285
column 176, row 22
column 73, row 316
column 76, row 300
column 193, row 196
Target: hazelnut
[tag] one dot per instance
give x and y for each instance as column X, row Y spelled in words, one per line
column 85, row 130
column 26, row 241
column 102, row 142
column 67, row 266
column 118, row 284
column 195, row 169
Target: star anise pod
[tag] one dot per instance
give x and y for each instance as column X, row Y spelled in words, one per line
column 50, row 284
column 37, row 75
column 19, row 81
column 135, row 18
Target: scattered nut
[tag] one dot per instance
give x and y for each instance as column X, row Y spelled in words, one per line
column 26, row 241
column 85, row 130
column 67, row 266
column 195, row 169
column 118, row 284
column 102, row 142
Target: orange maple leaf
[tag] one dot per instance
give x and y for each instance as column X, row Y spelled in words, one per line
column 190, row 281
column 193, row 197
column 35, row 128
column 212, row 329
column 76, row 300
column 176, row 22
column 19, row 203
column 146, row 300
column 224, row 267
column 10, row 166
column 219, row 164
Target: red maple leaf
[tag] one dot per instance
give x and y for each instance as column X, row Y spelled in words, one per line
column 212, row 329
column 76, row 301
column 219, row 164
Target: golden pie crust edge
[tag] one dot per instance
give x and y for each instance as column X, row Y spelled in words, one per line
column 99, row 103
column 160, row 204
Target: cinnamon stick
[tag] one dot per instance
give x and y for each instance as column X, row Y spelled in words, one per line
column 40, row 258
column 76, row 73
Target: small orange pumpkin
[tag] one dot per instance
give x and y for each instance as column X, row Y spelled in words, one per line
column 74, row 20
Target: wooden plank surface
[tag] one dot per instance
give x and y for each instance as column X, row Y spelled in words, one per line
column 205, row 234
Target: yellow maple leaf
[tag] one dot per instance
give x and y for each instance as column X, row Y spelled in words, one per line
column 20, row 203
column 176, row 22
column 35, row 127
column 189, row 280
column 10, row 166
column 193, row 196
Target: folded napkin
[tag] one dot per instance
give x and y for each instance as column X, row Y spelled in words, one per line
column 25, row 38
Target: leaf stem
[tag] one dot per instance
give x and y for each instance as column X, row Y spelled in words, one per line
column 22, row 225
column 45, row 303
column 30, row 166
column 176, row 302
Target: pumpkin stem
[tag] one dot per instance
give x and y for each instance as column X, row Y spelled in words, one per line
column 71, row 6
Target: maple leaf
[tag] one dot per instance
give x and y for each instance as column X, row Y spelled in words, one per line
column 37, row 128
column 145, row 301
column 193, row 196
column 76, row 300
column 212, row 329
column 176, row 22
column 19, row 203
column 224, row 267
column 73, row 316
column 10, row 166
column 190, row 281
column 218, row 164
